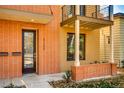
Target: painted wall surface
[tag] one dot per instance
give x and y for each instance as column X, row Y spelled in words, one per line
column 121, row 39
column 104, row 45
column 91, row 47
column 118, row 42
column 47, row 44
column 117, row 37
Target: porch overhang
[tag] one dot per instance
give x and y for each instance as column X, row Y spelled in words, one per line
column 87, row 22
column 25, row 16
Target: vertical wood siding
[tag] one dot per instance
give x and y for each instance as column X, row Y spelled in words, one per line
column 11, row 41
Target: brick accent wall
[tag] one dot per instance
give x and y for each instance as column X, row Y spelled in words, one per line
column 114, row 69
column 93, row 70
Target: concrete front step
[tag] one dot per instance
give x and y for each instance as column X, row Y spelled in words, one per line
column 32, row 80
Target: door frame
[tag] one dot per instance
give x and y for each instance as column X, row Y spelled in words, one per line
column 34, row 45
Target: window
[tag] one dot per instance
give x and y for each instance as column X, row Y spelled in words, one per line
column 71, row 46
column 82, row 10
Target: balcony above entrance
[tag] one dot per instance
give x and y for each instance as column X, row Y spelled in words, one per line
column 91, row 17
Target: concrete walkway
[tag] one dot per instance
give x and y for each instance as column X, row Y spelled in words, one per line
column 33, row 80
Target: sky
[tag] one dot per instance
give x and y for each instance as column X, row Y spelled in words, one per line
column 118, row 8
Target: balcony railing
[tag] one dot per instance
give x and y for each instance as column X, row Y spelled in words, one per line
column 99, row 12
column 68, row 12
column 102, row 13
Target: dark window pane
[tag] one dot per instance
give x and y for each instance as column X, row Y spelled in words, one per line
column 82, row 10
column 82, row 47
column 71, row 46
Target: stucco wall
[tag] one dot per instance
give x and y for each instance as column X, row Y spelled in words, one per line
column 104, row 46
column 92, row 41
column 91, row 47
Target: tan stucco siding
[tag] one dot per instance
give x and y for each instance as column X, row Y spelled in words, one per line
column 91, row 47
column 104, row 46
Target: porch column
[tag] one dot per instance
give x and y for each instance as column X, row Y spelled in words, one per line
column 112, row 35
column 112, row 44
column 77, row 36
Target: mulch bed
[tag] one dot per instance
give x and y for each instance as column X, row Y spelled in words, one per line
column 113, row 82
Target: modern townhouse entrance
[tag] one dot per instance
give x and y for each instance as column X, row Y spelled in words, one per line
column 28, row 51
column 19, row 53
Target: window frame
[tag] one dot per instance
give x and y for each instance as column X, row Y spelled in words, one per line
column 84, row 44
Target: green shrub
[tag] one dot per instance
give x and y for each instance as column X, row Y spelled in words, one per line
column 112, row 82
column 105, row 84
column 67, row 76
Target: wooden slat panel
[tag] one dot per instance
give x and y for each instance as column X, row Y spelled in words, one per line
column 87, row 22
column 98, row 21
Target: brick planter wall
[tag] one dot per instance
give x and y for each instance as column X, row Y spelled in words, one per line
column 114, row 69
column 93, row 70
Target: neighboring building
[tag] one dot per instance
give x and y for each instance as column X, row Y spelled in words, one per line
column 40, row 39
column 118, row 40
